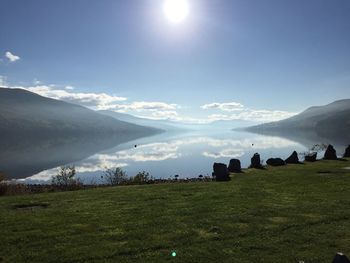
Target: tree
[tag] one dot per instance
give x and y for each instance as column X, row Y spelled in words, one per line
column 2, row 177
column 3, row 185
column 115, row 176
column 142, row 177
column 65, row 177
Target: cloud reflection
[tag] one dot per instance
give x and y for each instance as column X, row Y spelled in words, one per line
column 187, row 147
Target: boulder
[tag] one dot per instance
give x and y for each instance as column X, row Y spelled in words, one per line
column 275, row 162
column 235, row 166
column 221, row 172
column 311, row 157
column 340, row 258
column 347, row 152
column 293, row 158
column 330, row 153
column 255, row 161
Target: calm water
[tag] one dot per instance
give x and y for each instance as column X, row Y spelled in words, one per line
column 163, row 156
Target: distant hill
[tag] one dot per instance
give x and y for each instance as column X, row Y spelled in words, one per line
column 174, row 126
column 332, row 120
column 159, row 124
column 232, row 124
column 26, row 114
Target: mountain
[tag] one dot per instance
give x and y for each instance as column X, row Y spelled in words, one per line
column 232, row 124
column 332, row 120
column 174, row 126
column 26, row 114
column 159, row 124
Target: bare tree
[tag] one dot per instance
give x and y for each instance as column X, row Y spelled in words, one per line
column 115, row 176
column 65, row 177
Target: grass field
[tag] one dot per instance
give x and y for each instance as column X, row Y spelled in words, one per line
column 286, row 214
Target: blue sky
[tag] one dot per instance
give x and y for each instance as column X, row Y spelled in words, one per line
column 229, row 59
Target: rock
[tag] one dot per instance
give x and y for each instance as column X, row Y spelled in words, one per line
column 347, row 152
column 255, row 161
column 235, row 166
column 311, row 157
column 275, row 162
column 221, row 172
column 340, row 258
column 293, row 158
column 330, row 153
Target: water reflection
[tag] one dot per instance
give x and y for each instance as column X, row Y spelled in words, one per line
column 20, row 158
column 186, row 154
column 164, row 155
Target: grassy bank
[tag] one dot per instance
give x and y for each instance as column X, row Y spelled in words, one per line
column 284, row 214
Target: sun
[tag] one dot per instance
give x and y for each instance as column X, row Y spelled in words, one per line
column 176, row 11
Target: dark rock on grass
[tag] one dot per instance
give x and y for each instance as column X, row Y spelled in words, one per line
column 235, row 166
column 221, row 172
column 255, row 161
column 340, row 258
column 293, row 159
column 347, row 152
column 330, row 153
column 275, row 162
column 311, row 157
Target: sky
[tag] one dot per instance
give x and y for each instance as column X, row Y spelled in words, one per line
column 228, row 59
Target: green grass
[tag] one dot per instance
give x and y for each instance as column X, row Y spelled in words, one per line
column 285, row 214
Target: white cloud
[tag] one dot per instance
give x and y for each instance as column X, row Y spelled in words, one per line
column 11, row 57
column 220, row 117
column 254, row 115
column 224, row 153
column 140, row 106
column 239, row 112
column 94, row 100
column 227, row 106
column 165, row 115
column 153, row 109
column 103, row 101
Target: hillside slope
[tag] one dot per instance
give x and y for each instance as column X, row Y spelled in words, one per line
column 23, row 112
column 329, row 120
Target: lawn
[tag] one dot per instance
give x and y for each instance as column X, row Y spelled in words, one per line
column 285, row 214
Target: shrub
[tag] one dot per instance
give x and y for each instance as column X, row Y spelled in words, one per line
column 65, row 178
column 3, row 184
column 115, row 176
column 142, row 177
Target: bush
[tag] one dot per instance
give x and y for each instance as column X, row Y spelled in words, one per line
column 3, row 184
column 142, row 177
column 115, row 176
column 65, row 178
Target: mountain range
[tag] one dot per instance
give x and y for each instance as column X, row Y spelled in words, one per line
column 159, row 124
column 328, row 121
column 26, row 114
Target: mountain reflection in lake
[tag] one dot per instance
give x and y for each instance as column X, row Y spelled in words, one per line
column 163, row 156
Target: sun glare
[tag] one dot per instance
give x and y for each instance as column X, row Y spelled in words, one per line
column 176, row 11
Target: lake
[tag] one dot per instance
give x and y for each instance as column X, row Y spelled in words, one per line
column 187, row 154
